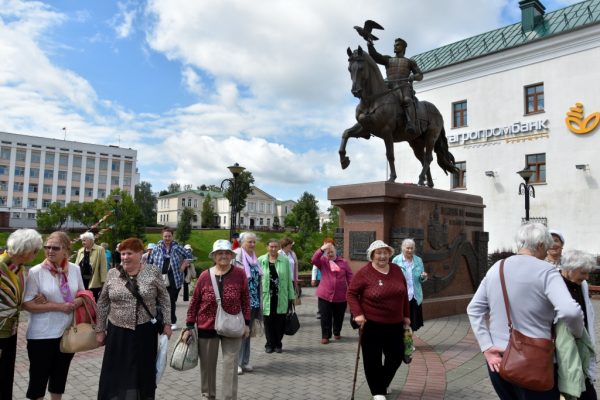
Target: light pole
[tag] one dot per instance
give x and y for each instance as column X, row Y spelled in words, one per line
column 232, row 183
column 526, row 189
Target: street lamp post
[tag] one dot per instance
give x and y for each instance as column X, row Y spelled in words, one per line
column 526, row 189
column 232, row 183
column 117, row 199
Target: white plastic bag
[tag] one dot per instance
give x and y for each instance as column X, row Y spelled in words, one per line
column 161, row 356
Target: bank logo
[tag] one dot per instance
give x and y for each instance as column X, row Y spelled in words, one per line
column 579, row 125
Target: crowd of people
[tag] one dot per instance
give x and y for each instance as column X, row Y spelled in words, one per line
column 137, row 297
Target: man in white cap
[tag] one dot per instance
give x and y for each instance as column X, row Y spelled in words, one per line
column 148, row 253
column 554, row 253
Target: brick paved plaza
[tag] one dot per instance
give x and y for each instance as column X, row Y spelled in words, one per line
column 447, row 365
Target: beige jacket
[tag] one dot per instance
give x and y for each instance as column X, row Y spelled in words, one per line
column 98, row 263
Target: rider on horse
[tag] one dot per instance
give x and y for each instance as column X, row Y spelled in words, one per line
column 401, row 72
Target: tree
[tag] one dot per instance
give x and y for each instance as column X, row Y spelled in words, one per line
column 208, row 213
column 306, row 212
column 290, row 220
column 87, row 213
column 127, row 219
column 329, row 227
column 184, row 227
column 202, row 187
column 243, row 182
column 53, row 218
column 146, row 202
column 174, row 187
column 187, row 187
column 163, row 192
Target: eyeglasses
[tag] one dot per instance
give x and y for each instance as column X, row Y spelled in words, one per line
column 55, row 248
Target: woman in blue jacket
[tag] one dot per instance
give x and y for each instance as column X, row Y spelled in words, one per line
column 414, row 272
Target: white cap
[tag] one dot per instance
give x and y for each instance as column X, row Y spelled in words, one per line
column 187, row 247
column 557, row 233
column 378, row 244
column 220, row 245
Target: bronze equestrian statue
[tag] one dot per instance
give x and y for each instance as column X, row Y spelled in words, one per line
column 384, row 111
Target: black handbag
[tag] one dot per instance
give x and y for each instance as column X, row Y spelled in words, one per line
column 292, row 324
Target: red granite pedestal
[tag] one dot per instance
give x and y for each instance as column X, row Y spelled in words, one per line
column 447, row 228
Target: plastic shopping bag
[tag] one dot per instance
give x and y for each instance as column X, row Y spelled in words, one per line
column 161, row 356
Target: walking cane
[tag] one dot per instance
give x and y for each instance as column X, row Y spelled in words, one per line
column 360, row 331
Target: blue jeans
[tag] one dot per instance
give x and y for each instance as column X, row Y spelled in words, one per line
column 508, row 391
column 244, row 356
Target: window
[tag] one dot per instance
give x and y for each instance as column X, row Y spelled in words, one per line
column 77, row 161
column 62, row 190
column 269, row 208
column 268, row 221
column 46, row 203
column 16, row 215
column 195, row 203
column 3, row 169
column 459, row 180
column 19, row 171
column 76, row 176
column 36, row 156
column 21, row 155
column 104, row 164
column 534, row 98
column 261, row 207
column 48, row 174
column 89, row 178
column 102, row 179
column 18, row 186
column 114, row 180
column 89, row 192
column 61, row 203
column 63, row 159
column 34, row 172
column 459, row 114
column 251, row 206
column 101, row 193
column 30, row 215
column 31, row 203
column 260, row 223
column 74, row 191
column 49, row 158
column 62, row 175
column 126, row 181
column 90, row 163
column 241, row 220
column 17, row 202
column 33, row 188
column 3, row 185
column 537, row 163
column 2, row 200
column 183, row 202
column 47, row 189
column 5, row 153
column 128, row 167
column 189, row 202
column 116, row 165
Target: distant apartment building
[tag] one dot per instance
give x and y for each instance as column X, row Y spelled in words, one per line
column 37, row 171
column 259, row 213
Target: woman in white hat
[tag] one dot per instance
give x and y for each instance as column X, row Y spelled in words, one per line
column 232, row 285
column 378, row 298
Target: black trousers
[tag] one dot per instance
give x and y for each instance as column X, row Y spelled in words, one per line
column 173, row 295
column 186, row 291
column 381, row 340
column 47, row 367
column 332, row 317
column 8, row 354
column 274, row 326
column 508, row 391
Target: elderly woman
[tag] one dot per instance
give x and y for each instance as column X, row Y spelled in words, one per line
column 331, row 293
column 378, row 298
column 286, row 245
column 21, row 248
column 414, row 272
column 91, row 259
column 246, row 259
column 58, row 281
column 232, row 285
column 124, row 325
column 554, row 253
column 541, row 295
column 277, row 294
column 575, row 269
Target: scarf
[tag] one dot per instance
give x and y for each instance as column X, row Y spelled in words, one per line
column 333, row 266
column 63, row 281
column 247, row 259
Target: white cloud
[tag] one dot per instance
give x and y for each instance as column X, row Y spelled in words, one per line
column 122, row 22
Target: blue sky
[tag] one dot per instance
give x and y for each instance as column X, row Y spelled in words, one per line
column 195, row 86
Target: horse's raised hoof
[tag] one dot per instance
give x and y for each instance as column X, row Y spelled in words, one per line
column 345, row 162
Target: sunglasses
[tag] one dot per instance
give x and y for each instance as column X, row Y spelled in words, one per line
column 55, row 248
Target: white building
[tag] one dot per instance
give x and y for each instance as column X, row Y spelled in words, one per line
column 505, row 96
column 37, row 171
column 259, row 212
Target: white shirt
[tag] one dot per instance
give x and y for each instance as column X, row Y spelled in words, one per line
column 409, row 279
column 50, row 324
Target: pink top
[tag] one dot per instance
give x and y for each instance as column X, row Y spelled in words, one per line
column 334, row 284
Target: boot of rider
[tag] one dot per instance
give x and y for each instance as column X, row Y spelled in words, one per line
column 410, row 129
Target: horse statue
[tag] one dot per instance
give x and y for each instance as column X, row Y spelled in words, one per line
column 379, row 114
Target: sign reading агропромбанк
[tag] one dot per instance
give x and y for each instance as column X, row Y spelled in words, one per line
column 497, row 133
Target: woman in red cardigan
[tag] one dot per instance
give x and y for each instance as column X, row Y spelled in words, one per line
column 378, row 298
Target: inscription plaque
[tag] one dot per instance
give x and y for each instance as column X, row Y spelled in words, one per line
column 359, row 243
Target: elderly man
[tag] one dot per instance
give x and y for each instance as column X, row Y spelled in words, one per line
column 91, row 258
column 401, row 72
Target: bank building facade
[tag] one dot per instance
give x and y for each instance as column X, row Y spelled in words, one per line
column 524, row 96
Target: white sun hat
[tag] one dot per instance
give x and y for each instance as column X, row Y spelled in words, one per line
column 378, row 244
column 220, row 245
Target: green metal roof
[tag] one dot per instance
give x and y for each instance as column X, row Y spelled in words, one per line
column 566, row 19
column 204, row 193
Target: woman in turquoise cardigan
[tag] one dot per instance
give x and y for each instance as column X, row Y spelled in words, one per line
column 277, row 294
column 414, row 272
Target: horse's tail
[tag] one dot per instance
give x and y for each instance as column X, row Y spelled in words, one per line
column 445, row 159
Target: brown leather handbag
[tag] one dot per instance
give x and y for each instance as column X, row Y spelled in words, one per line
column 526, row 362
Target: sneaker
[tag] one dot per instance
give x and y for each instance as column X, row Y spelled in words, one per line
column 247, row 368
column 324, row 341
column 240, row 371
column 379, row 397
column 174, row 327
column 337, row 337
column 278, row 350
column 268, row 350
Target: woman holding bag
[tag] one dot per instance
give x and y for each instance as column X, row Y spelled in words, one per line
column 537, row 296
column 58, row 281
column 414, row 272
column 125, row 326
column 232, row 285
